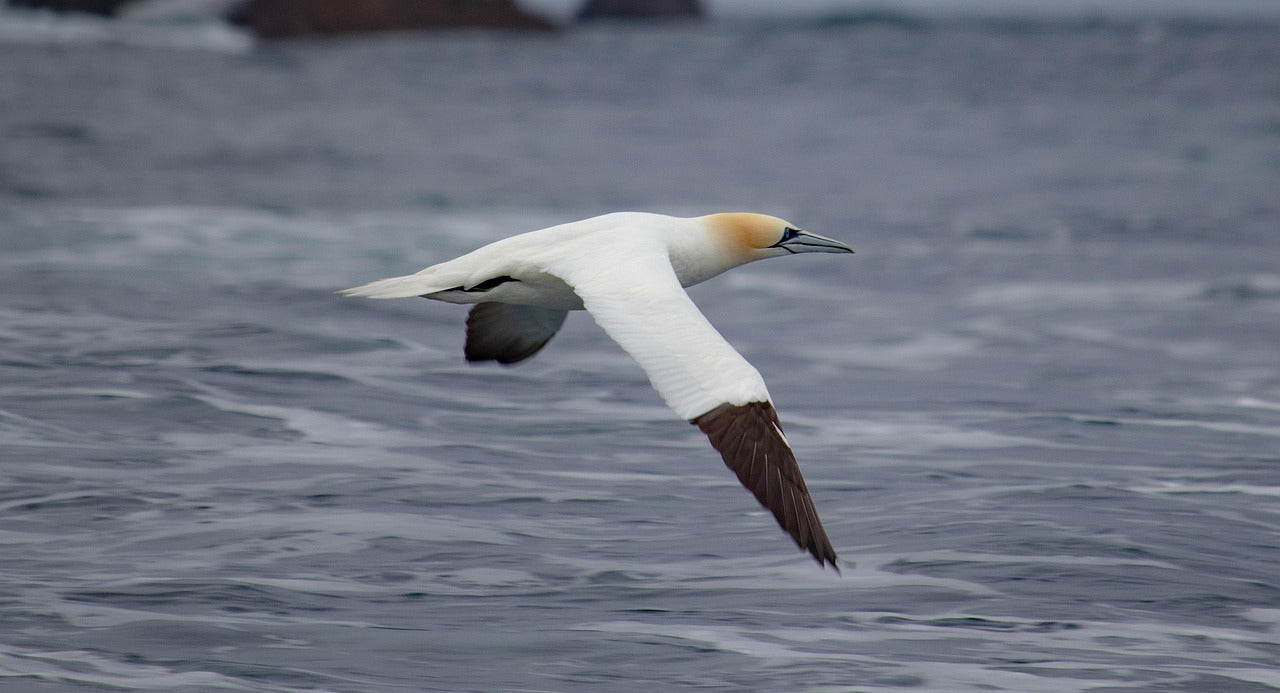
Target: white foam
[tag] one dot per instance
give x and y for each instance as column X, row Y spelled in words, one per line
column 94, row 669
column 924, row 351
column 950, row 556
column 238, row 245
column 339, row 530
column 317, row 426
column 1215, row 426
column 43, row 28
column 1256, row 403
column 1177, row 487
column 907, row 435
column 1070, row 655
column 1083, row 295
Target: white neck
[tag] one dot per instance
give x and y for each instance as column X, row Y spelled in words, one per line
column 697, row 254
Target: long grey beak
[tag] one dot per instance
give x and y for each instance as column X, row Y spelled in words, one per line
column 805, row 242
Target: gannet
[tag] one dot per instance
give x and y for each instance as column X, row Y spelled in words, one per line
column 629, row 271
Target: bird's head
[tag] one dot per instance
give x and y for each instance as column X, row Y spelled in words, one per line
column 758, row 236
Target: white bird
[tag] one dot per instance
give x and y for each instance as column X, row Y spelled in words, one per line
column 629, row 270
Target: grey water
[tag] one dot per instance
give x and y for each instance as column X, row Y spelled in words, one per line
column 1039, row 410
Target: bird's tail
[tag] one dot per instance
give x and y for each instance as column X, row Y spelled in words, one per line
column 401, row 287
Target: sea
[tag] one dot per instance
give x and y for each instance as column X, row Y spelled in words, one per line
column 1038, row 410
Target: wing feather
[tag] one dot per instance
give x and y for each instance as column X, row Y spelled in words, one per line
column 768, row 469
column 509, row 333
column 639, row 302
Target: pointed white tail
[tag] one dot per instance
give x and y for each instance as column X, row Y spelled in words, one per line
column 398, row 287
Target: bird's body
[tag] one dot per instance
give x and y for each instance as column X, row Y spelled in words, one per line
column 629, row 270
column 602, row 242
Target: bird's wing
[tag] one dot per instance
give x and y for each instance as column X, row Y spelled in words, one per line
column 509, row 333
column 749, row 438
column 636, row 297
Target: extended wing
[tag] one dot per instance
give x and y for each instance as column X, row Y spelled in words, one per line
column 639, row 302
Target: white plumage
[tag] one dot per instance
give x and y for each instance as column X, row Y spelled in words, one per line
column 628, row 270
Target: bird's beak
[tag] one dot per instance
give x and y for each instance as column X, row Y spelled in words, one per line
column 805, row 242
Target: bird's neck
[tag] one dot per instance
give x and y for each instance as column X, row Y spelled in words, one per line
column 697, row 256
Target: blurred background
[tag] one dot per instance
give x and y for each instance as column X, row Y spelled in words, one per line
column 1039, row 410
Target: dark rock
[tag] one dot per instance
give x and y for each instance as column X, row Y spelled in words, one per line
column 639, row 9
column 105, row 8
column 295, row 18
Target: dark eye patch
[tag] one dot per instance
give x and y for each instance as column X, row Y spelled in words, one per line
column 787, row 235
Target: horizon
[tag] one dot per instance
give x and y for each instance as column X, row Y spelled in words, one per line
column 976, row 9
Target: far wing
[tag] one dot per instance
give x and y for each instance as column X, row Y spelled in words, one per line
column 639, row 302
column 509, row 333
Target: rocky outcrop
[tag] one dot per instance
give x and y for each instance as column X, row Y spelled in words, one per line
column 105, row 8
column 296, row 18
column 639, row 9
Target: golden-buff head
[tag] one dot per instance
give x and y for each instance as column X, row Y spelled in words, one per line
column 757, row 236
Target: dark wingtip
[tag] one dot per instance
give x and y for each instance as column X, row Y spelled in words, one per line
column 749, row 439
column 824, row 559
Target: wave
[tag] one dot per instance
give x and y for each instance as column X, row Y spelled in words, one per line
column 170, row 24
column 198, row 24
column 917, row 13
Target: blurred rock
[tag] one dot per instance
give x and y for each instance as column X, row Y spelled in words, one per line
column 105, row 8
column 296, row 18
column 639, row 9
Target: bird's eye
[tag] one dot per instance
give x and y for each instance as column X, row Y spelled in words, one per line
column 789, row 233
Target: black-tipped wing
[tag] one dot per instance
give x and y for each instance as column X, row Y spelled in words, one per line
column 637, row 298
column 749, row 438
column 509, row 333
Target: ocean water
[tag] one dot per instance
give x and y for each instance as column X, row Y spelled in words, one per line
column 1039, row 410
